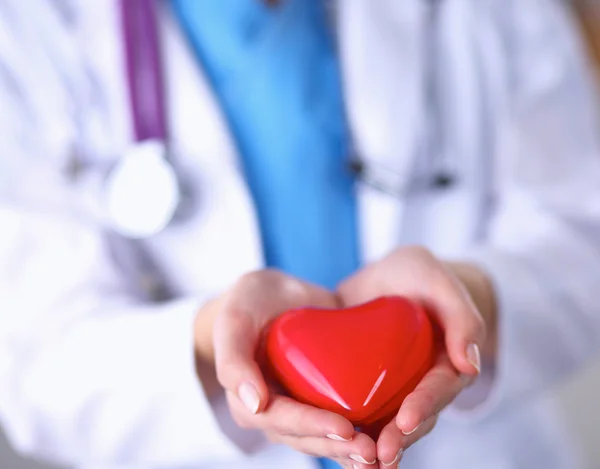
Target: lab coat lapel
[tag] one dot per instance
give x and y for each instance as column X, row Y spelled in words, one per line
column 208, row 155
column 381, row 45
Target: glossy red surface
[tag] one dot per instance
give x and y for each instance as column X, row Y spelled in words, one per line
column 360, row 362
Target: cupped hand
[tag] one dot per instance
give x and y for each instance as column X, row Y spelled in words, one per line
column 243, row 314
column 414, row 272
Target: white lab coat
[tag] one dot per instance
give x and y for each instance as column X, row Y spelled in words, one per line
column 94, row 374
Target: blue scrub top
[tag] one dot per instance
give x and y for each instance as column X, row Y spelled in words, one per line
column 276, row 75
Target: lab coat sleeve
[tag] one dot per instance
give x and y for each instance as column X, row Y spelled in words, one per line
column 87, row 372
column 90, row 373
column 542, row 250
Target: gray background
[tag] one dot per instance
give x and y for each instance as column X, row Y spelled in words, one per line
column 580, row 397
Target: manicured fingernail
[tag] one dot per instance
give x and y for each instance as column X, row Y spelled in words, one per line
column 249, row 396
column 396, row 459
column 410, row 432
column 474, row 356
column 361, row 460
column 333, row 436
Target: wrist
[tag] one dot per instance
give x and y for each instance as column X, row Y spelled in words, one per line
column 204, row 349
column 203, row 330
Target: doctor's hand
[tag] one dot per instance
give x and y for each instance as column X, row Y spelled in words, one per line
column 240, row 317
column 459, row 299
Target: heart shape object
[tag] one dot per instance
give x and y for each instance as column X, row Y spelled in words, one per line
column 360, row 362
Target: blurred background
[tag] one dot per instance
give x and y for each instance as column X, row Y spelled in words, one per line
column 580, row 397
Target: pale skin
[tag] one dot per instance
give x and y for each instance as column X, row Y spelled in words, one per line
column 459, row 297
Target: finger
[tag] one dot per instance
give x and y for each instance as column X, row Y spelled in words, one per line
column 447, row 300
column 248, row 307
column 354, row 465
column 289, row 417
column 438, row 388
column 236, row 338
column 393, row 443
column 425, row 279
column 346, row 465
column 343, row 464
column 464, row 328
column 360, row 452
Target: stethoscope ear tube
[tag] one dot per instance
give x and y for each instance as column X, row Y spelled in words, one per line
column 389, row 182
column 433, row 147
column 143, row 193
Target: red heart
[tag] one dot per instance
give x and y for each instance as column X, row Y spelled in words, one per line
column 359, row 362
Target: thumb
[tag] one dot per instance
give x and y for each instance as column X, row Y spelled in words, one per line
column 464, row 336
column 466, row 328
column 464, row 332
column 236, row 339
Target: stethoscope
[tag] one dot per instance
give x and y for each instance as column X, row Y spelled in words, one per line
column 145, row 192
column 441, row 175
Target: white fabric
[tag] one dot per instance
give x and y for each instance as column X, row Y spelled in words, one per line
column 95, row 374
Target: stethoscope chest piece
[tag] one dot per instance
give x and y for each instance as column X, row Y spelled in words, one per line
column 141, row 192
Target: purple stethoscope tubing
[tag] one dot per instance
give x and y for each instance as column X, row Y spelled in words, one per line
column 143, row 65
column 143, row 191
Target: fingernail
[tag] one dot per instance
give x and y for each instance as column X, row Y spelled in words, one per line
column 333, row 436
column 410, row 432
column 396, row 459
column 474, row 356
column 401, row 423
column 354, row 466
column 249, row 396
column 361, row 460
